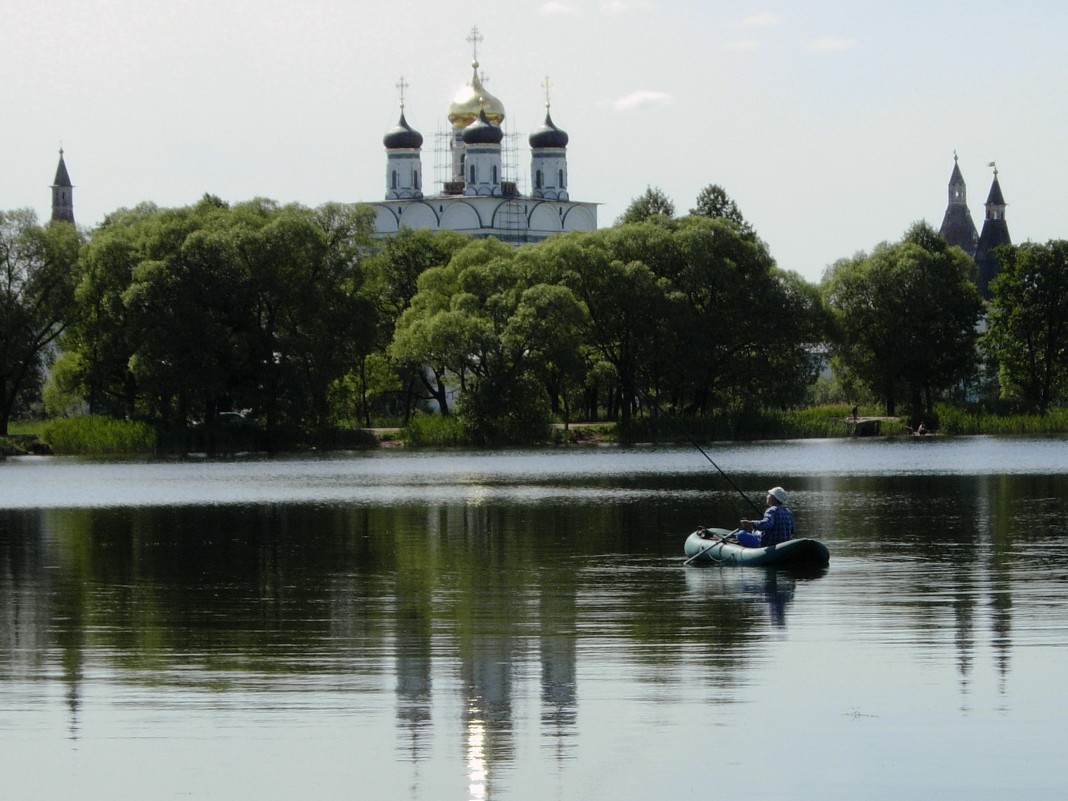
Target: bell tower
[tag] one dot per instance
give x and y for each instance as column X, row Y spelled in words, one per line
column 62, row 193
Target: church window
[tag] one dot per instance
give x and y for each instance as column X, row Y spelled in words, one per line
column 560, row 182
column 393, row 180
column 473, row 173
column 494, row 173
column 537, row 179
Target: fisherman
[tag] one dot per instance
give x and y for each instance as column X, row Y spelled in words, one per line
column 777, row 524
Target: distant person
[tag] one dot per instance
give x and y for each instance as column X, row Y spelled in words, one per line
column 777, row 524
column 856, row 409
column 921, row 429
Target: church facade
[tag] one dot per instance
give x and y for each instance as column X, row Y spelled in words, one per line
column 958, row 228
column 478, row 198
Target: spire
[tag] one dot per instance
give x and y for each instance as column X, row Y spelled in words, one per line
column 62, row 193
column 957, row 226
column 404, row 167
column 995, row 233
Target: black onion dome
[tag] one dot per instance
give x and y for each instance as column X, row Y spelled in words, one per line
column 548, row 135
column 482, row 132
column 403, row 136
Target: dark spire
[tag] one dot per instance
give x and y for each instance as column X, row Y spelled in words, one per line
column 62, row 193
column 957, row 226
column 995, row 233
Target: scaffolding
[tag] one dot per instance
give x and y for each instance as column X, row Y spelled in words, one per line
column 510, row 173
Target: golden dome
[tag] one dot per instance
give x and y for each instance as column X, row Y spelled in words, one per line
column 470, row 99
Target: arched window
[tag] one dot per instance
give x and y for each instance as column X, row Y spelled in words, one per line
column 472, row 173
column 415, row 179
column 560, row 182
column 393, row 180
column 494, row 173
column 537, row 179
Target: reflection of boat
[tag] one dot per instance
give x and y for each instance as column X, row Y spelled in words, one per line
column 716, row 546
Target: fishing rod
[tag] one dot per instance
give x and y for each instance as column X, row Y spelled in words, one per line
column 693, row 442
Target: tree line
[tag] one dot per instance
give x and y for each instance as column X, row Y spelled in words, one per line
column 299, row 321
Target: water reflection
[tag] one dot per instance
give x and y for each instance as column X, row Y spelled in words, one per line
column 493, row 636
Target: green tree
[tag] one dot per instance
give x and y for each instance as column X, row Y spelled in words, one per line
column 714, row 202
column 190, row 312
column 487, row 323
column 906, row 318
column 38, row 273
column 393, row 280
column 626, row 303
column 647, row 206
column 1027, row 335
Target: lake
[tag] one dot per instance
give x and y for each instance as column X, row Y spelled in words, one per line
column 518, row 625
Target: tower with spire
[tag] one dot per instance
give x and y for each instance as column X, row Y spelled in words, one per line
column 62, row 193
column 548, row 157
column 994, row 234
column 404, row 169
column 478, row 197
column 957, row 226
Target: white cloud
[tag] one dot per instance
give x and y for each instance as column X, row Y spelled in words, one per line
column 832, row 44
column 765, row 19
column 643, row 97
column 557, row 7
column 616, row 7
column 743, row 45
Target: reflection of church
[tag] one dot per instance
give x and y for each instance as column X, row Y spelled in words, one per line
column 958, row 228
column 478, row 197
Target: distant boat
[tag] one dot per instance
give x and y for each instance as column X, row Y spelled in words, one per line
column 719, row 546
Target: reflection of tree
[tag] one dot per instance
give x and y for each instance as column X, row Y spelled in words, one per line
column 463, row 606
column 953, row 542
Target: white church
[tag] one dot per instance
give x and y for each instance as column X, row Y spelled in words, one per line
column 478, row 198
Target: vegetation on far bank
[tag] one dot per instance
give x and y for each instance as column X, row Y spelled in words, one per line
column 262, row 327
column 99, row 436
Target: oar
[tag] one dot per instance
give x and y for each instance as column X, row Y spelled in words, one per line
column 697, row 555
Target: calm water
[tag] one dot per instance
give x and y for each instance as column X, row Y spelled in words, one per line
column 519, row 625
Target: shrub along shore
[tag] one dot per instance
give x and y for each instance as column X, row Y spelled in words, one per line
column 103, row 436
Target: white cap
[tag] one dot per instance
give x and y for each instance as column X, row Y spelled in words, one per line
column 778, row 493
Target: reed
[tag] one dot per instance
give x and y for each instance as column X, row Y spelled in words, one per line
column 435, row 431
column 96, row 435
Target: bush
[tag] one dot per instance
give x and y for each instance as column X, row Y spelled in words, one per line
column 97, row 435
column 435, row 430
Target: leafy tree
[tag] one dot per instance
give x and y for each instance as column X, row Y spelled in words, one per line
column 190, row 312
column 38, row 273
column 906, row 318
column 651, row 204
column 1027, row 335
column 626, row 303
column 713, row 201
column 393, row 278
column 488, row 323
column 98, row 348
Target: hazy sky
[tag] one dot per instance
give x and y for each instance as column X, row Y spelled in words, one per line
column 832, row 124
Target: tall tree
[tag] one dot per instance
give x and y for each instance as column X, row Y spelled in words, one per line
column 650, row 204
column 38, row 273
column 393, row 280
column 906, row 318
column 1027, row 335
column 714, row 202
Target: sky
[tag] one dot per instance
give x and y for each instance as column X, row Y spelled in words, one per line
column 832, row 124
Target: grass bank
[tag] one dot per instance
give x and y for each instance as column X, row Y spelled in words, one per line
column 94, row 435
column 970, row 421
